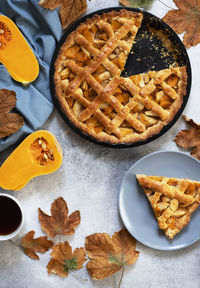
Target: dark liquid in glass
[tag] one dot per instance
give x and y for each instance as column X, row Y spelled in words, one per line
column 10, row 215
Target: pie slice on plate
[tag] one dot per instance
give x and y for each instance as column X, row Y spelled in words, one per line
column 173, row 200
column 93, row 95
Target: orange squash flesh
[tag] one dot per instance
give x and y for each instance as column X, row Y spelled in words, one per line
column 15, row 53
column 39, row 154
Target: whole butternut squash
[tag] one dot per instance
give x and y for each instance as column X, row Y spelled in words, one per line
column 40, row 153
column 15, row 53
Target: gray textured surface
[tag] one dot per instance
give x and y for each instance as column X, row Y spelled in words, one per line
column 89, row 180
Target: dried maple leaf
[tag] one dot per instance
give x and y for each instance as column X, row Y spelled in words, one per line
column 9, row 122
column 186, row 19
column 30, row 245
column 64, row 260
column 108, row 255
column 59, row 223
column 70, row 10
column 136, row 3
column 190, row 138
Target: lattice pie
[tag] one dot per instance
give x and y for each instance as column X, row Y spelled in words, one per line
column 96, row 99
column 173, row 200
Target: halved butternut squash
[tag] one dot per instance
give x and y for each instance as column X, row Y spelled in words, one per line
column 40, row 153
column 15, row 53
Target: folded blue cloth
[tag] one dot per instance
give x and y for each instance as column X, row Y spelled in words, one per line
column 42, row 29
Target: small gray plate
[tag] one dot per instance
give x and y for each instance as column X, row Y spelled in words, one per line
column 135, row 209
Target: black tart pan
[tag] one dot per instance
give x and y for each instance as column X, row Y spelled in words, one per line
column 156, row 47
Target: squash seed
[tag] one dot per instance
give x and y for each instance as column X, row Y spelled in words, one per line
column 44, row 146
column 45, row 156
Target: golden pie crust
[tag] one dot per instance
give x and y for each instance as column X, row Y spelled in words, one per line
column 173, row 200
column 96, row 99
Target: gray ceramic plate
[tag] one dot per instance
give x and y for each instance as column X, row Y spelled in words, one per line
column 135, row 209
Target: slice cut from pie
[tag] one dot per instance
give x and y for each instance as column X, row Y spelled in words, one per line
column 173, row 200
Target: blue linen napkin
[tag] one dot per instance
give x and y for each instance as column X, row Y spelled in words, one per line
column 42, row 29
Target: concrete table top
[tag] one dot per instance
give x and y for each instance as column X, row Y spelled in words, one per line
column 89, row 180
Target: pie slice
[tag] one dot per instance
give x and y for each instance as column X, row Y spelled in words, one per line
column 93, row 95
column 173, row 200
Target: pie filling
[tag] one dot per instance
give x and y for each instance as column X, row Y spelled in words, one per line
column 94, row 96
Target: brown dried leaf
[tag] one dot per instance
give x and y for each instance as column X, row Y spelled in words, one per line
column 108, row 255
column 64, row 260
column 7, row 100
column 186, row 19
column 190, row 138
column 70, row 10
column 59, row 223
column 9, row 122
column 30, row 245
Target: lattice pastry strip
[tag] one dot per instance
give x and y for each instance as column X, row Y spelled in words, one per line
column 115, row 71
column 173, row 200
column 159, row 79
